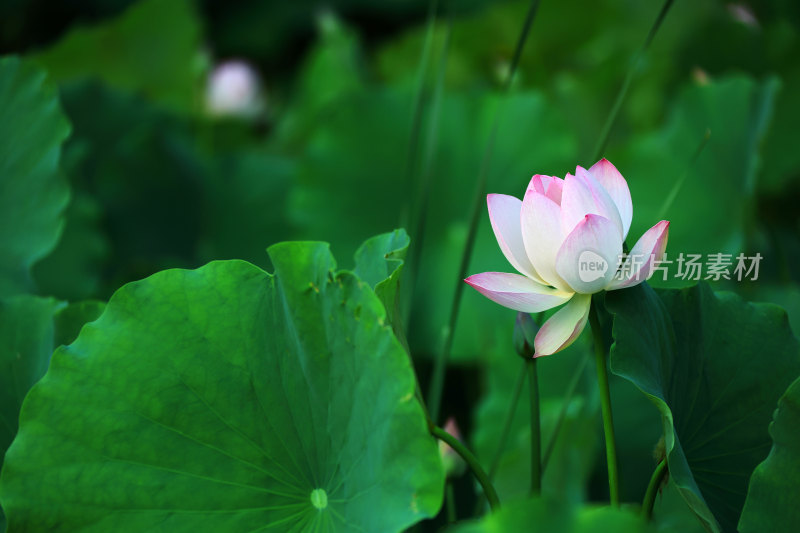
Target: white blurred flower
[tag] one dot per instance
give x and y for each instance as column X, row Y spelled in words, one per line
column 234, row 90
column 743, row 14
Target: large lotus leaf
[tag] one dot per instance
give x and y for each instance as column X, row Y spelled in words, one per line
column 32, row 193
column 714, row 366
column 542, row 514
column 226, row 398
column 153, row 47
column 771, row 503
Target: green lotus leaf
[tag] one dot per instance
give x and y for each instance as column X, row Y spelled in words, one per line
column 228, row 399
column 771, row 503
column 154, row 48
column 32, row 192
column 714, row 366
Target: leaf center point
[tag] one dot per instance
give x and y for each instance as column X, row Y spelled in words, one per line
column 319, row 499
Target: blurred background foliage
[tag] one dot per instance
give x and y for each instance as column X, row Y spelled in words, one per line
column 365, row 104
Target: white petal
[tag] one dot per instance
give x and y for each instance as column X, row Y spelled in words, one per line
column 589, row 257
column 564, row 327
column 541, row 233
column 647, row 250
column 583, row 195
column 517, row 292
column 504, row 214
column 612, row 181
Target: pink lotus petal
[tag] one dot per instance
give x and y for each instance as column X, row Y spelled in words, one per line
column 517, row 292
column 564, row 327
column 647, row 250
column 539, row 183
column 583, row 195
column 504, row 214
column 549, row 186
column 612, row 181
column 541, row 233
column 554, row 190
column 589, row 257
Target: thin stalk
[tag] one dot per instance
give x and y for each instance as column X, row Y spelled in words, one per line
column 423, row 199
column 673, row 193
column 450, row 502
column 573, row 386
column 413, row 150
column 512, row 409
column 652, row 489
column 506, row 431
column 420, row 93
column 437, row 379
column 526, row 29
column 472, row 463
column 605, row 402
column 612, row 116
column 536, row 433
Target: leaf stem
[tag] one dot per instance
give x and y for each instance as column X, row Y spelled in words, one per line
column 420, row 206
column 512, row 409
column 573, row 386
column 673, row 193
column 536, row 432
column 472, row 463
column 612, row 116
column 450, row 502
column 437, row 379
column 605, row 402
column 652, row 489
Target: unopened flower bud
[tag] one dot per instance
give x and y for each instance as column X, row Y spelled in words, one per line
column 525, row 330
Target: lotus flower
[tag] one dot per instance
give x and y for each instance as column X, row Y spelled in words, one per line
column 565, row 240
column 234, row 90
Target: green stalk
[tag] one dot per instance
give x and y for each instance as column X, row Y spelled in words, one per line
column 652, row 489
column 536, row 433
column 420, row 93
column 573, row 386
column 512, row 409
column 612, row 116
column 472, row 463
column 437, row 379
column 605, row 402
column 506, row 431
column 424, row 193
column 673, row 193
column 450, row 502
